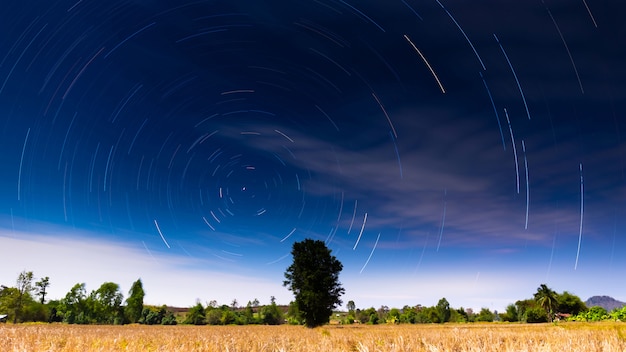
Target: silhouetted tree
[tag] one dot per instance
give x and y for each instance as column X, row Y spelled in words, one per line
column 314, row 279
column 42, row 285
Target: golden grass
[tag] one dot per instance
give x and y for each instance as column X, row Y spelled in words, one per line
column 450, row 337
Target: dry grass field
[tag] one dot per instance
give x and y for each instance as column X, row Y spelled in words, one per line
column 454, row 337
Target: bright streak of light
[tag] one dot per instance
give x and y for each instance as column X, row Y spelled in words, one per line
column 360, row 233
column 443, row 218
column 277, row 260
column 362, row 14
column 582, row 208
column 465, row 35
column 127, row 38
column 519, row 86
column 147, row 250
column 353, row 215
column 19, row 173
column 214, row 217
column 514, row 149
column 328, row 117
column 569, row 53
column 237, row 91
column 386, row 115
column 527, row 184
column 427, row 64
column 160, row 233
column 419, row 263
column 340, row 208
column 371, row 253
column 284, row 135
column 590, row 14
column 395, row 146
column 208, row 224
column 493, row 104
column 412, row 10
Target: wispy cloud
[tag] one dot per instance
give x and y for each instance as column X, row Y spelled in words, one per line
column 84, row 257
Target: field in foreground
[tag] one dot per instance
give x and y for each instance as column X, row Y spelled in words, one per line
column 454, row 337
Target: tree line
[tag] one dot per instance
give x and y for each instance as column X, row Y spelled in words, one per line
column 26, row 302
column 313, row 277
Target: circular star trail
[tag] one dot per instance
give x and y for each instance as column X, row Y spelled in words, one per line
column 421, row 138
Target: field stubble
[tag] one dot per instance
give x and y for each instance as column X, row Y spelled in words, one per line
column 449, row 337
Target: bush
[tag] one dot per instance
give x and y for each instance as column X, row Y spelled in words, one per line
column 535, row 315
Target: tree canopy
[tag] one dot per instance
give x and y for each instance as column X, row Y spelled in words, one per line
column 313, row 277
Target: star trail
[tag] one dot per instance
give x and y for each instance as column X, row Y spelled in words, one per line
column 196, row 141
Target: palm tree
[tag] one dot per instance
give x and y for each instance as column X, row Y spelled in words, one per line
column 547, row 299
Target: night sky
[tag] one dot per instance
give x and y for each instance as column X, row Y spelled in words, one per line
column 471, row 150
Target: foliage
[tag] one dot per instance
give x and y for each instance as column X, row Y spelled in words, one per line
column 511, row 314
column 157, row 316
column 313, row 277
column 195, row 315
column 595, row 313
column 443, row 310
column 272, row 315
column 485, row 315
column 351, row 306
column 106, row 304
column 42, row 286
column 619, row 314
column 570, row 304
column 547, row 299
column 134, row 302
column 24, row 289
column 294, row 316
column 535, row 315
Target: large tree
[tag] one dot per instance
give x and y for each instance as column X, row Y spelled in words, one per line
column 313, row 277
column 24, row 289
column 106, row 304
column 443, row 310
column 134, row 302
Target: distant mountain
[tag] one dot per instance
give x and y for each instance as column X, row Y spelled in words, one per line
column 606, row 302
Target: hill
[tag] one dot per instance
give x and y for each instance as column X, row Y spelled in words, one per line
column 606, row 302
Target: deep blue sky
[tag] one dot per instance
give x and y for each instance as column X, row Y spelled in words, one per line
column 471, row 150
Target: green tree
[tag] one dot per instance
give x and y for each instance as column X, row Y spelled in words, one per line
column 443, row 310
column 511, row 313
column 547, row 299
column 570, row 303
column 314, row 279
column 134, row 302
column 272, row 315
column 196, row 315
column 248, row 314
column 8, row 300
column 73, row 307
column 24, row 289
column 351, row 306
column 485, row 315
column 535, row 315
column 393, row 316
column 42, row 286
column 106, row 303
column 293, row 314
